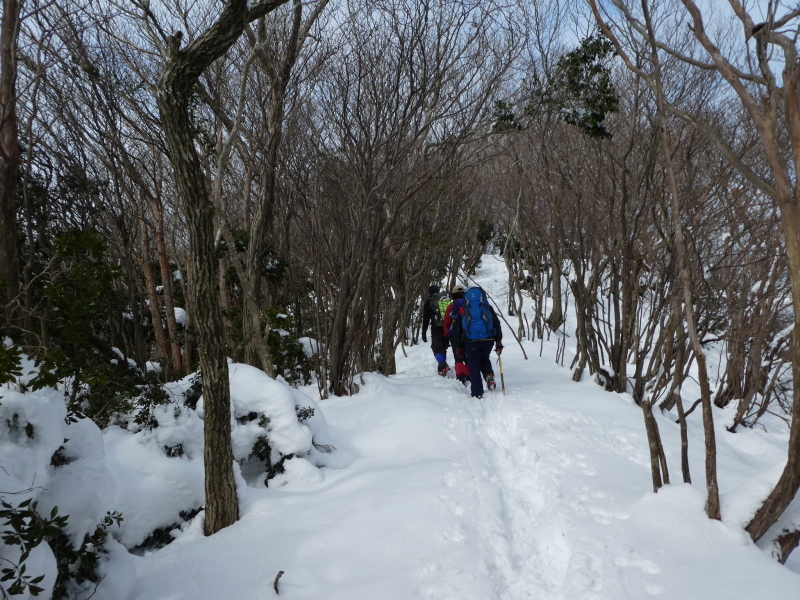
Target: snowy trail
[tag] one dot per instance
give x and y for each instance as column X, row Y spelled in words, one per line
column 543, row 493
column 533, row 496
column 560, row 476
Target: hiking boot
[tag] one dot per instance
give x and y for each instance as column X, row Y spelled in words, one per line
column 463, row 379
column 490, row 383
column 443, row 369
column 478, row 397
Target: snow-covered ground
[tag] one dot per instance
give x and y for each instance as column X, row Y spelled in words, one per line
column 544, row 492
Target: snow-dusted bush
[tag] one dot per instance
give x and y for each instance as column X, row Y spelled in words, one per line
column 274, row 422
column 279, row 434
column 32, row 429
column 55, row 488
column 90, row 494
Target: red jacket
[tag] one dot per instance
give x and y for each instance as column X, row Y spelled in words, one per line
column 448, row 322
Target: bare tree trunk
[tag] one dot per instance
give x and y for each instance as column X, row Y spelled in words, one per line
column 629, row 275
column 138, row 334
column 162, row 346
column 652, row 444
column 762, row 103
column 181, row 71
column 675, row 391
column 188, row 343
column 786, row 543
column 9, row 155
column 166, row 282
column 686, row 283
column 556, row 317
column 265, row 209
column 789, row 482
column 661, row 456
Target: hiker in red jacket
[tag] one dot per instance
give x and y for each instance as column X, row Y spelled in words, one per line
column 457, row 305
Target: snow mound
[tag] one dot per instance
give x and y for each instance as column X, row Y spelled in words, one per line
column 152, row 489
column 253, row 392
column 33, row 429
column 82, row 487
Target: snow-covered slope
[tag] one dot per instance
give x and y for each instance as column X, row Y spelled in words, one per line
column 541, row 493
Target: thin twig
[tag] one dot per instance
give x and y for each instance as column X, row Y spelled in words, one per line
column 95, row 587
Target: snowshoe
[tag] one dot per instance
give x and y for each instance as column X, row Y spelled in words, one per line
column 490, row 383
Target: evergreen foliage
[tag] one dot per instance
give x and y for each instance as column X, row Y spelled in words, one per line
column 579, row 91
column 78, row 566
column 23, row 528
column 291, row 363
column 77, row 294
column 10, row 363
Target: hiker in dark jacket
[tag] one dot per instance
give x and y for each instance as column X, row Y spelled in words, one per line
column 432, row 316
column 474, row 335
column 453, row 313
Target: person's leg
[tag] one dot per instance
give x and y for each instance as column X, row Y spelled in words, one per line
column 486, row 356
column 439, row 347
column 473, row 353
column 486, row 363
column 462, row 371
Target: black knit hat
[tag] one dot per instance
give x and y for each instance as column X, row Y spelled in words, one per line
column 433, row 288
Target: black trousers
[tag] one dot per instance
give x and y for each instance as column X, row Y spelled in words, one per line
column 480, row 364
column 439, row 343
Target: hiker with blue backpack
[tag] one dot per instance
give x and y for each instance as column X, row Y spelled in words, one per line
column 473, row 335
column 433, row 315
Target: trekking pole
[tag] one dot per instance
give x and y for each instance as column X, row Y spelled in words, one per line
column 502, row 379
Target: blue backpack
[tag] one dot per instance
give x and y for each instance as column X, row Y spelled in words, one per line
column 478, row 321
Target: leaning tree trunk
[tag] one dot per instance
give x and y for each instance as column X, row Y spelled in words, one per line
column 181, row 71
column 658, row 461
column 787, row 196
column 556, row 317
column 763, row 110
column 789, row 482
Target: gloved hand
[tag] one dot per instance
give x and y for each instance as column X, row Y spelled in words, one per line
column 424, row 337
column 498, row 348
